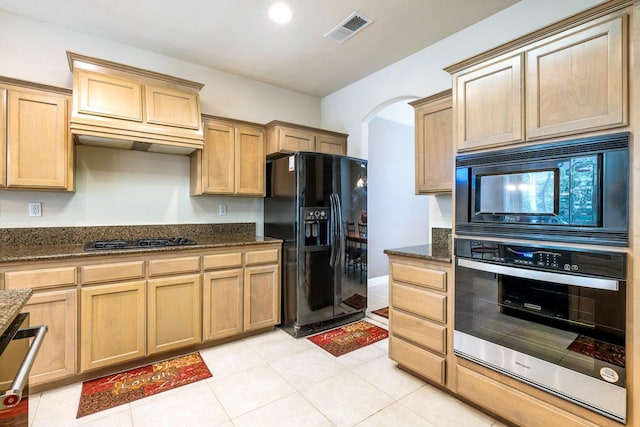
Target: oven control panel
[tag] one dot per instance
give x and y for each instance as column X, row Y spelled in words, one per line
column 568, row 260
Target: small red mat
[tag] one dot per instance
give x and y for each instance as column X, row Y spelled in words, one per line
column 384, row 312
column 347, row 338
column 117, row 389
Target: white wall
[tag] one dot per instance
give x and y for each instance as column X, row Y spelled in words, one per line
column 109, row 190
column 421, row 74
column 396, row 217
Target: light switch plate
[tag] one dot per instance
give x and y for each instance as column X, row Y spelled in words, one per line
column 222, row 210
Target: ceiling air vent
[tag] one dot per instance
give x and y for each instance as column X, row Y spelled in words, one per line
column 348, row 28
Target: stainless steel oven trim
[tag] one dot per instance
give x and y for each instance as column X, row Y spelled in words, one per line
column 565, row 279
column 599, row 396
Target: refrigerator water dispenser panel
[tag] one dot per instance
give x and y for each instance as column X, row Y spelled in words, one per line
column 316, row 226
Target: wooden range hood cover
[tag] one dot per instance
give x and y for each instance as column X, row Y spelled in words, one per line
column 119, row 106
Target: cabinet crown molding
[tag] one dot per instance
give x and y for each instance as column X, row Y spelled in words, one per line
column 96, row 64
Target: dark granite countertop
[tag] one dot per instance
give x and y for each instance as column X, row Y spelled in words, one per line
column 17, row 253
column 11, row 302
column 41, row 244
column 428, row 252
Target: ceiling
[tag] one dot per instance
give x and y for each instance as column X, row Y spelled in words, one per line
column 236, row 36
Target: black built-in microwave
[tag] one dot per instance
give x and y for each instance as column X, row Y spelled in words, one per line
column 571, row 191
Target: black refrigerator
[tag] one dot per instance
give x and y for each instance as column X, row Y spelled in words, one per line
column 316, row 203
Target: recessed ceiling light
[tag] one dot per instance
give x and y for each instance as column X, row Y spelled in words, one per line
column 280, row 13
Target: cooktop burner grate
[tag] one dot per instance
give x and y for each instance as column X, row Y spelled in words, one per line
column 108, row 245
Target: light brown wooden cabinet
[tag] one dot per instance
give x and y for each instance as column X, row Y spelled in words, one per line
column 563, row 81
column 577, row 80
column 37, row 150
column 119, row 106
column 242, row 292
column 54, row 304
column 489, row 104
column 434, row 144
column 232, row 161
column 420, row 326
column 173, row 312
column 285, row 138
column 113, row 326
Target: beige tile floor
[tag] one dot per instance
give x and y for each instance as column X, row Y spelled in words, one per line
column 273, row 379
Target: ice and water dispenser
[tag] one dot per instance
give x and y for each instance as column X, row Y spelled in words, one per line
column 316, row 226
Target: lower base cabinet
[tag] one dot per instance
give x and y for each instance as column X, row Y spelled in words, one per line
column 57, row 355
column 223, row 304
column 261, row 297
column 113, row 324
column 173, row 312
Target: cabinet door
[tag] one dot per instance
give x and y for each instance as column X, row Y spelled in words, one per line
column 3, row 137
column 250, row 162
column 57, row 356
column 261, row 297
column 113, row 324
column 170, row 107
column 577, row 81
column 218, row 157
column 222, row 304
column 291, row 140
column 490, row 105
column 173, row 312
column 331, row 144
column 108, row 96
column 38, row 144
column 434, row 147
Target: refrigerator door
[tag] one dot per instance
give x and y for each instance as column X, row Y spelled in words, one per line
column 351, row 190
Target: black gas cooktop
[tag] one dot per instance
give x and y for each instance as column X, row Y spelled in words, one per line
column 158, row 242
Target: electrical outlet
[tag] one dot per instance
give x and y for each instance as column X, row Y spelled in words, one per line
column 35, row 208
column 222, row 210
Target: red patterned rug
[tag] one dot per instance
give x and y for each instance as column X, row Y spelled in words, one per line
column 356, row 301
column 600, row 350
column 384, row 312
column 347, row 338
column 113, row 390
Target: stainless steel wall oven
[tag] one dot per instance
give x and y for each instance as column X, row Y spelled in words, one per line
column 570, row 191
column 553, row 317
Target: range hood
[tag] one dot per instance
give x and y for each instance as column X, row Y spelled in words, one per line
column 120, row 106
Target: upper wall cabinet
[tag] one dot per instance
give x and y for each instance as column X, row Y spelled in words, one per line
column 489, row 104
column 577, row 80
column 286, row 138
column 232, row 161
column 36, row 150
column 118, row 106
column 434, row 143
column 566, row 79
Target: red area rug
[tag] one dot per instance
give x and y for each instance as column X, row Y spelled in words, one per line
column 356, row 301
column 384, row 312
column 600, row 350
column 113, row 390
column 348, row 338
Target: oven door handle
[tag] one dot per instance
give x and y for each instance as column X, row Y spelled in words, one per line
column 13, row 395
column 547, row 276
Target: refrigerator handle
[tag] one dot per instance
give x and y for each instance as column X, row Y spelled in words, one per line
column 332, row 258
column 341, row 233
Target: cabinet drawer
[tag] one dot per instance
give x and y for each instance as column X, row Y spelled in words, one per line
column 420, row 331
column 110, row 272
column 268, row 256
column 509, row 403
column 222, row 260
column 158, row 267
column 419, row 276
column 43, row 278
column 419, row 360
column 419, row 301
